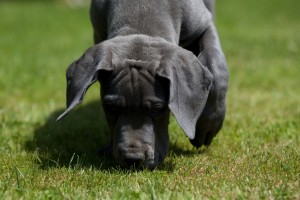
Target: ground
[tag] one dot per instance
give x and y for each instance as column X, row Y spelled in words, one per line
column 256, row 154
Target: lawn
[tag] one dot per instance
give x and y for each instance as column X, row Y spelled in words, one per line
column 255, row 156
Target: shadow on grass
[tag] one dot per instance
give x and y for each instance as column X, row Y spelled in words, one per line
column 73, row 141
column 76, row 140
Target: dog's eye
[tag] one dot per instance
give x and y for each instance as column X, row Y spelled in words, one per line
column 157, row 109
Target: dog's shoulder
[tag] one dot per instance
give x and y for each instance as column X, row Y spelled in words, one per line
column 195, row 18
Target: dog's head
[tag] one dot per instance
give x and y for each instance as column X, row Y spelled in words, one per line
column 142, row 78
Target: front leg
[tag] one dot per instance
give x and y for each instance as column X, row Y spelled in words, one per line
column 212, row 117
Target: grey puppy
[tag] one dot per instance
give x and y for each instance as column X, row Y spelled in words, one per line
column 152, row 57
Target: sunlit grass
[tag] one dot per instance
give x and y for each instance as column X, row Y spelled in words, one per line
column 256, row 155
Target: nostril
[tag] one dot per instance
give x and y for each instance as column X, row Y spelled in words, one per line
column 132, row 146
column 135, row 145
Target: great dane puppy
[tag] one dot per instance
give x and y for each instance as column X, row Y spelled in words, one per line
column 152, row 57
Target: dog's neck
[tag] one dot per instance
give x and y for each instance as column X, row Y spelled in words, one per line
column 126, row 30
column 138, row 18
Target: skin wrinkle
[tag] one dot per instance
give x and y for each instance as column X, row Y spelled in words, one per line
column 135, row 85
column 140, row 78
column 119, row 77
column 146, row 74
column 136, row 77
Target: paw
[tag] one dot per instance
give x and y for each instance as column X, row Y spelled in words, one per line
column 208, row 125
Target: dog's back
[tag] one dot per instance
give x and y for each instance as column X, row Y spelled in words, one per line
column 175, row 21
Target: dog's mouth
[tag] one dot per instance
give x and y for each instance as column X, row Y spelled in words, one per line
column 140, row 166
column 137, row 160
column 146, row 164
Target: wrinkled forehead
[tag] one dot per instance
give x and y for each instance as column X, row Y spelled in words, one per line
column 135, row 85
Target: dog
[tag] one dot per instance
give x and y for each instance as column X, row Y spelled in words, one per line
column 153, row 57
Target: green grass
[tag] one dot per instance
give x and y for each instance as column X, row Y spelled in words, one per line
column 256, row 155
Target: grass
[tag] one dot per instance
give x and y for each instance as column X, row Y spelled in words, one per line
column 255, row 156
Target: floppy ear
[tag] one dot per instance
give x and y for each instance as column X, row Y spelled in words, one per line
column 82, row 73
column 189, row 87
